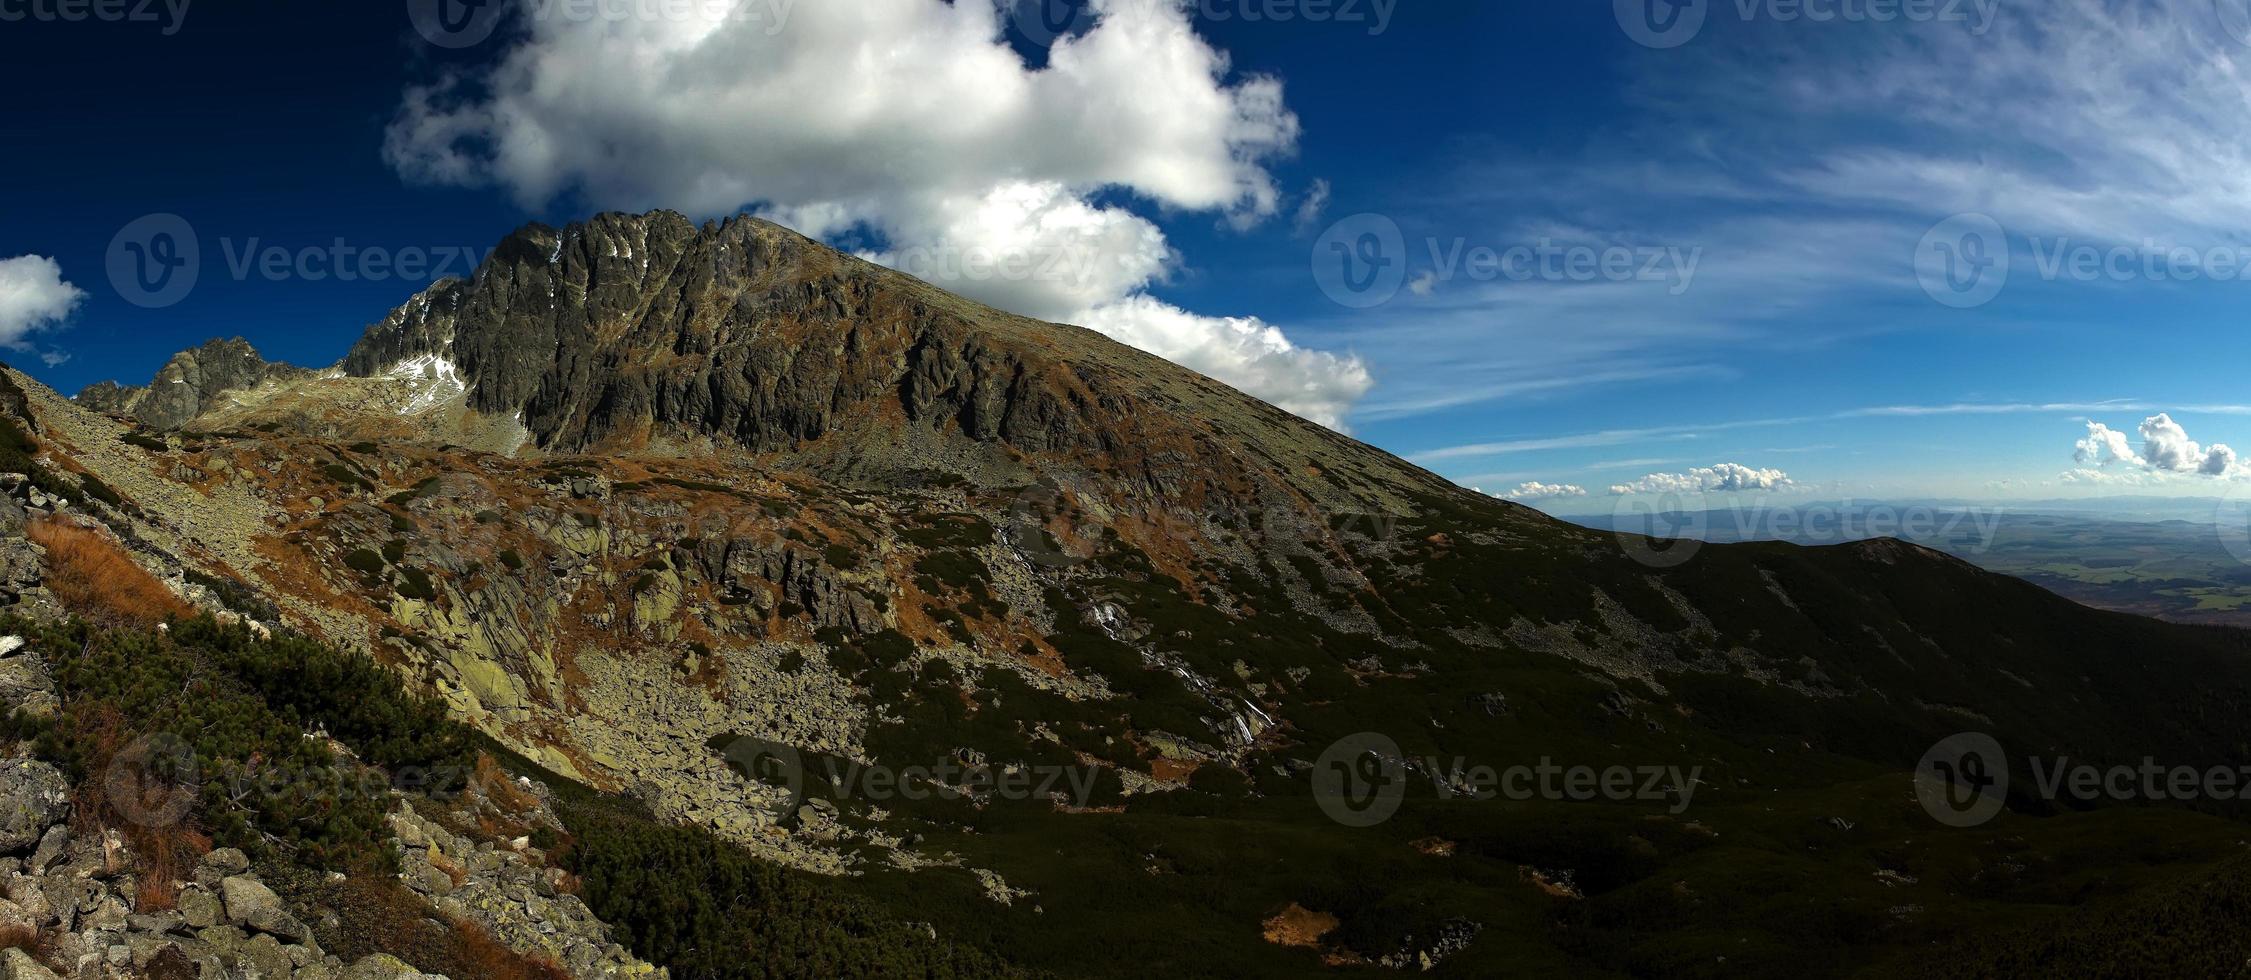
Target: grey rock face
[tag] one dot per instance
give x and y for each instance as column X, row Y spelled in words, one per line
column 109, row 397
column 33, row 797
column 627, row 330
column 739, row 330
column 801, row 575
column 189, row 383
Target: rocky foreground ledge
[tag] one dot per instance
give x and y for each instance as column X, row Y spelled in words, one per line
column 76, row 906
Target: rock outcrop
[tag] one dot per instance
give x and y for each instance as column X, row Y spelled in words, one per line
column 514, row 897
column 628, row 331
column 190, row 384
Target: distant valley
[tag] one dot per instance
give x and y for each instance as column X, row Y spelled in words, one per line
column 2183, row 560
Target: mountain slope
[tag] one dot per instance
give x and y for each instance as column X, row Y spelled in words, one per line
column 640, row 490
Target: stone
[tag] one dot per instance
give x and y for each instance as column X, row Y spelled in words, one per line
column 228, row 860
column 248, row 897
column 15, row 964
column 223, row 940
column 34, row 796
column 432, row 879
column 275, row 922
column 199, row 908
column 263, row 958
column 117, row 858
column 52, row 848
column 147, row 948
column 154, row 922
column 380, row 966
column 108, row 914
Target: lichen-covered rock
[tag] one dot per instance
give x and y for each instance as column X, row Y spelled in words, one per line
column 500, row 891
column 34, row 796
column 199, row 908
column 249, row 899
column 15, row 964
column 228, row 861
column 380, row 966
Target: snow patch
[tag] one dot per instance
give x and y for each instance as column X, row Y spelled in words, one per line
column 432, row 380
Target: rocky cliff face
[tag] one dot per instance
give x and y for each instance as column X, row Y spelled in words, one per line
column 191, row 384
column 629, row 333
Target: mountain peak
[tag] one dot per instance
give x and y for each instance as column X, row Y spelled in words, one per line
column 190, row 384
column 639, row 332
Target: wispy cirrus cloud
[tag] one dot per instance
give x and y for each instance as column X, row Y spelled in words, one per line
column 1618, row 437
column 1807, row 163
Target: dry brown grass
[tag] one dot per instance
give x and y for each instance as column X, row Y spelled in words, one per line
column 163, row 851
column 1299, row 926
column 96, row 579
column 494, row 783
column 480, row 955
column 379, row 915
column 27, row 937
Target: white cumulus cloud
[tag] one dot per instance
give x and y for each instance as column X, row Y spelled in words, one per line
column 1536, row 490
column 915, row 123
column 33, row 297
column 2165, row 449
column 1243, row 351
column 1723, row 478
